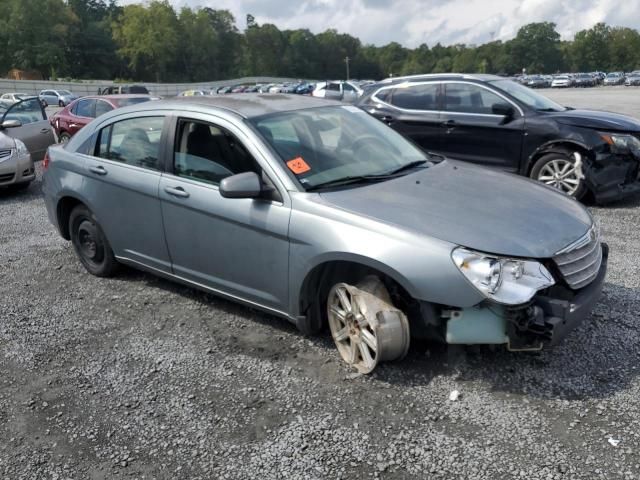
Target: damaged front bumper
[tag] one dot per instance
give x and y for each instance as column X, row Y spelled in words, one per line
column 546, row 320
column 613, row 176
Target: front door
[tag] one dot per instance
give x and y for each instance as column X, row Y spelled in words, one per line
column 35, row 132
column 121, row 182
column 474, row 133
column 238, row 247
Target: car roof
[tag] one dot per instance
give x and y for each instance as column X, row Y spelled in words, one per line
column 247, row 105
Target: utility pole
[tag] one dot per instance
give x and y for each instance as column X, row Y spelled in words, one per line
column 346, row 60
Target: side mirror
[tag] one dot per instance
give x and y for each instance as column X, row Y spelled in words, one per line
column 11, row 124
column 503, row 109
column 241, row 185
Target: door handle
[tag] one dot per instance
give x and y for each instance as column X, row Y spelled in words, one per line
column 45, row 130
column 99, row 170
column 387, row 119
column 449, row 124
column 73, row 125
column 177, row 192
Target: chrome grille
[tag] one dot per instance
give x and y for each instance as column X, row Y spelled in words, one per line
column 4, row 154
column 580, row 262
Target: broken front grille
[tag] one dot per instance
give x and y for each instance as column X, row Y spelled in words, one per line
column 579, row 263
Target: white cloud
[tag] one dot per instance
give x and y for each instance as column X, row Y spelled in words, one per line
column 412, row 22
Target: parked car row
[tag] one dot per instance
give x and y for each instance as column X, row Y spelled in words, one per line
column 593, row 79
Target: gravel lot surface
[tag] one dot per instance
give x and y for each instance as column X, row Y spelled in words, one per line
column 136, row 377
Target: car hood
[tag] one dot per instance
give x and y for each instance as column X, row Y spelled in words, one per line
column 478, row 208
column 597, row 119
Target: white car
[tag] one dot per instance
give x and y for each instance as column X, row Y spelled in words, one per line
column 14, row 97
column 338, row 90
column 561, row 81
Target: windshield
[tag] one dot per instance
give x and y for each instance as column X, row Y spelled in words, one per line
column 325, row 145
column 528, row 97
column 64, row 92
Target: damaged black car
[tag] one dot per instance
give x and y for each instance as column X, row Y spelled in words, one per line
column 493, row 121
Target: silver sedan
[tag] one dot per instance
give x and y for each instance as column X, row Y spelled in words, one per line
column 314, row 211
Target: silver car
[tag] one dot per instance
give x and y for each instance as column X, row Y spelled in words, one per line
column 62, row 98
column 314, row 211
column 16, row 166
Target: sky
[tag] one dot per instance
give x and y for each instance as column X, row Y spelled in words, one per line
column 413, row 22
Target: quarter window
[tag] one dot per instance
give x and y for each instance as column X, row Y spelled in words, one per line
column 135, row 142
column 209, row 153
column 416, row 97
column 468, row 98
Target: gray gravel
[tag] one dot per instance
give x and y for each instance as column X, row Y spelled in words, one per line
column 136, row 377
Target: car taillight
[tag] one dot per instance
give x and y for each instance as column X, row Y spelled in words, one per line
column 45, row 161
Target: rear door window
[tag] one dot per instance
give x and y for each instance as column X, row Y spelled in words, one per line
column 416, row 97
column 85, row 108
column 134, row 141
column 102, row 107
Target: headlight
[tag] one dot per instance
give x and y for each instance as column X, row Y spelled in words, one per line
column 21, row 148
column 621, row 143
column 505, row 280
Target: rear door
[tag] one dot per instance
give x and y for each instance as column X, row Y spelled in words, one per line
column 121, row 183
column 413, row 109
column 35, row 132
column 473, row 132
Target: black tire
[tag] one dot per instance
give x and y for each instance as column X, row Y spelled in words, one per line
column 60, row 103
column 64, row 137
column 90, row 243
column 544, row 167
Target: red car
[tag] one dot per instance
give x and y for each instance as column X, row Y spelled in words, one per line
column 78, row 113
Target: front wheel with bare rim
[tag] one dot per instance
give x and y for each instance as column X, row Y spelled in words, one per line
column 561, row 171
column 365, row 326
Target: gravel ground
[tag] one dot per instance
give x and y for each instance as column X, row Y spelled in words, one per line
column 136, row 377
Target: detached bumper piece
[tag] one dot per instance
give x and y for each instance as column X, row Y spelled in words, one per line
column 614, row 177
column 548, row 319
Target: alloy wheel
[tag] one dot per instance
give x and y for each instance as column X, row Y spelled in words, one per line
column 561, row 173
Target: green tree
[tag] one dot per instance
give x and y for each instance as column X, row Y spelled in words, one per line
column 33, row 44
column 147, row 37
column 590, row 48
column 537, row 48
column 624, row 49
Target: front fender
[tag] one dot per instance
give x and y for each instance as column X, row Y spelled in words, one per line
column 421, row 265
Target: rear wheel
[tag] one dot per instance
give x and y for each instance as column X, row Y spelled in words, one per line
column 90, row 243
column 562, row 171
column 365, row 326
column 60, row 103
column 64, row 137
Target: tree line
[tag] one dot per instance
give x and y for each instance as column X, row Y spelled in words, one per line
column 98, row 39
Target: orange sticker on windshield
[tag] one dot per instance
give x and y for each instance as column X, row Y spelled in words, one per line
column 298, row 166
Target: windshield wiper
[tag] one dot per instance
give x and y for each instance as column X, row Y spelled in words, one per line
column 339, row 182
column 407, row 166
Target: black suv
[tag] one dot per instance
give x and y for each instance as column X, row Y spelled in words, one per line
column 496, row 122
